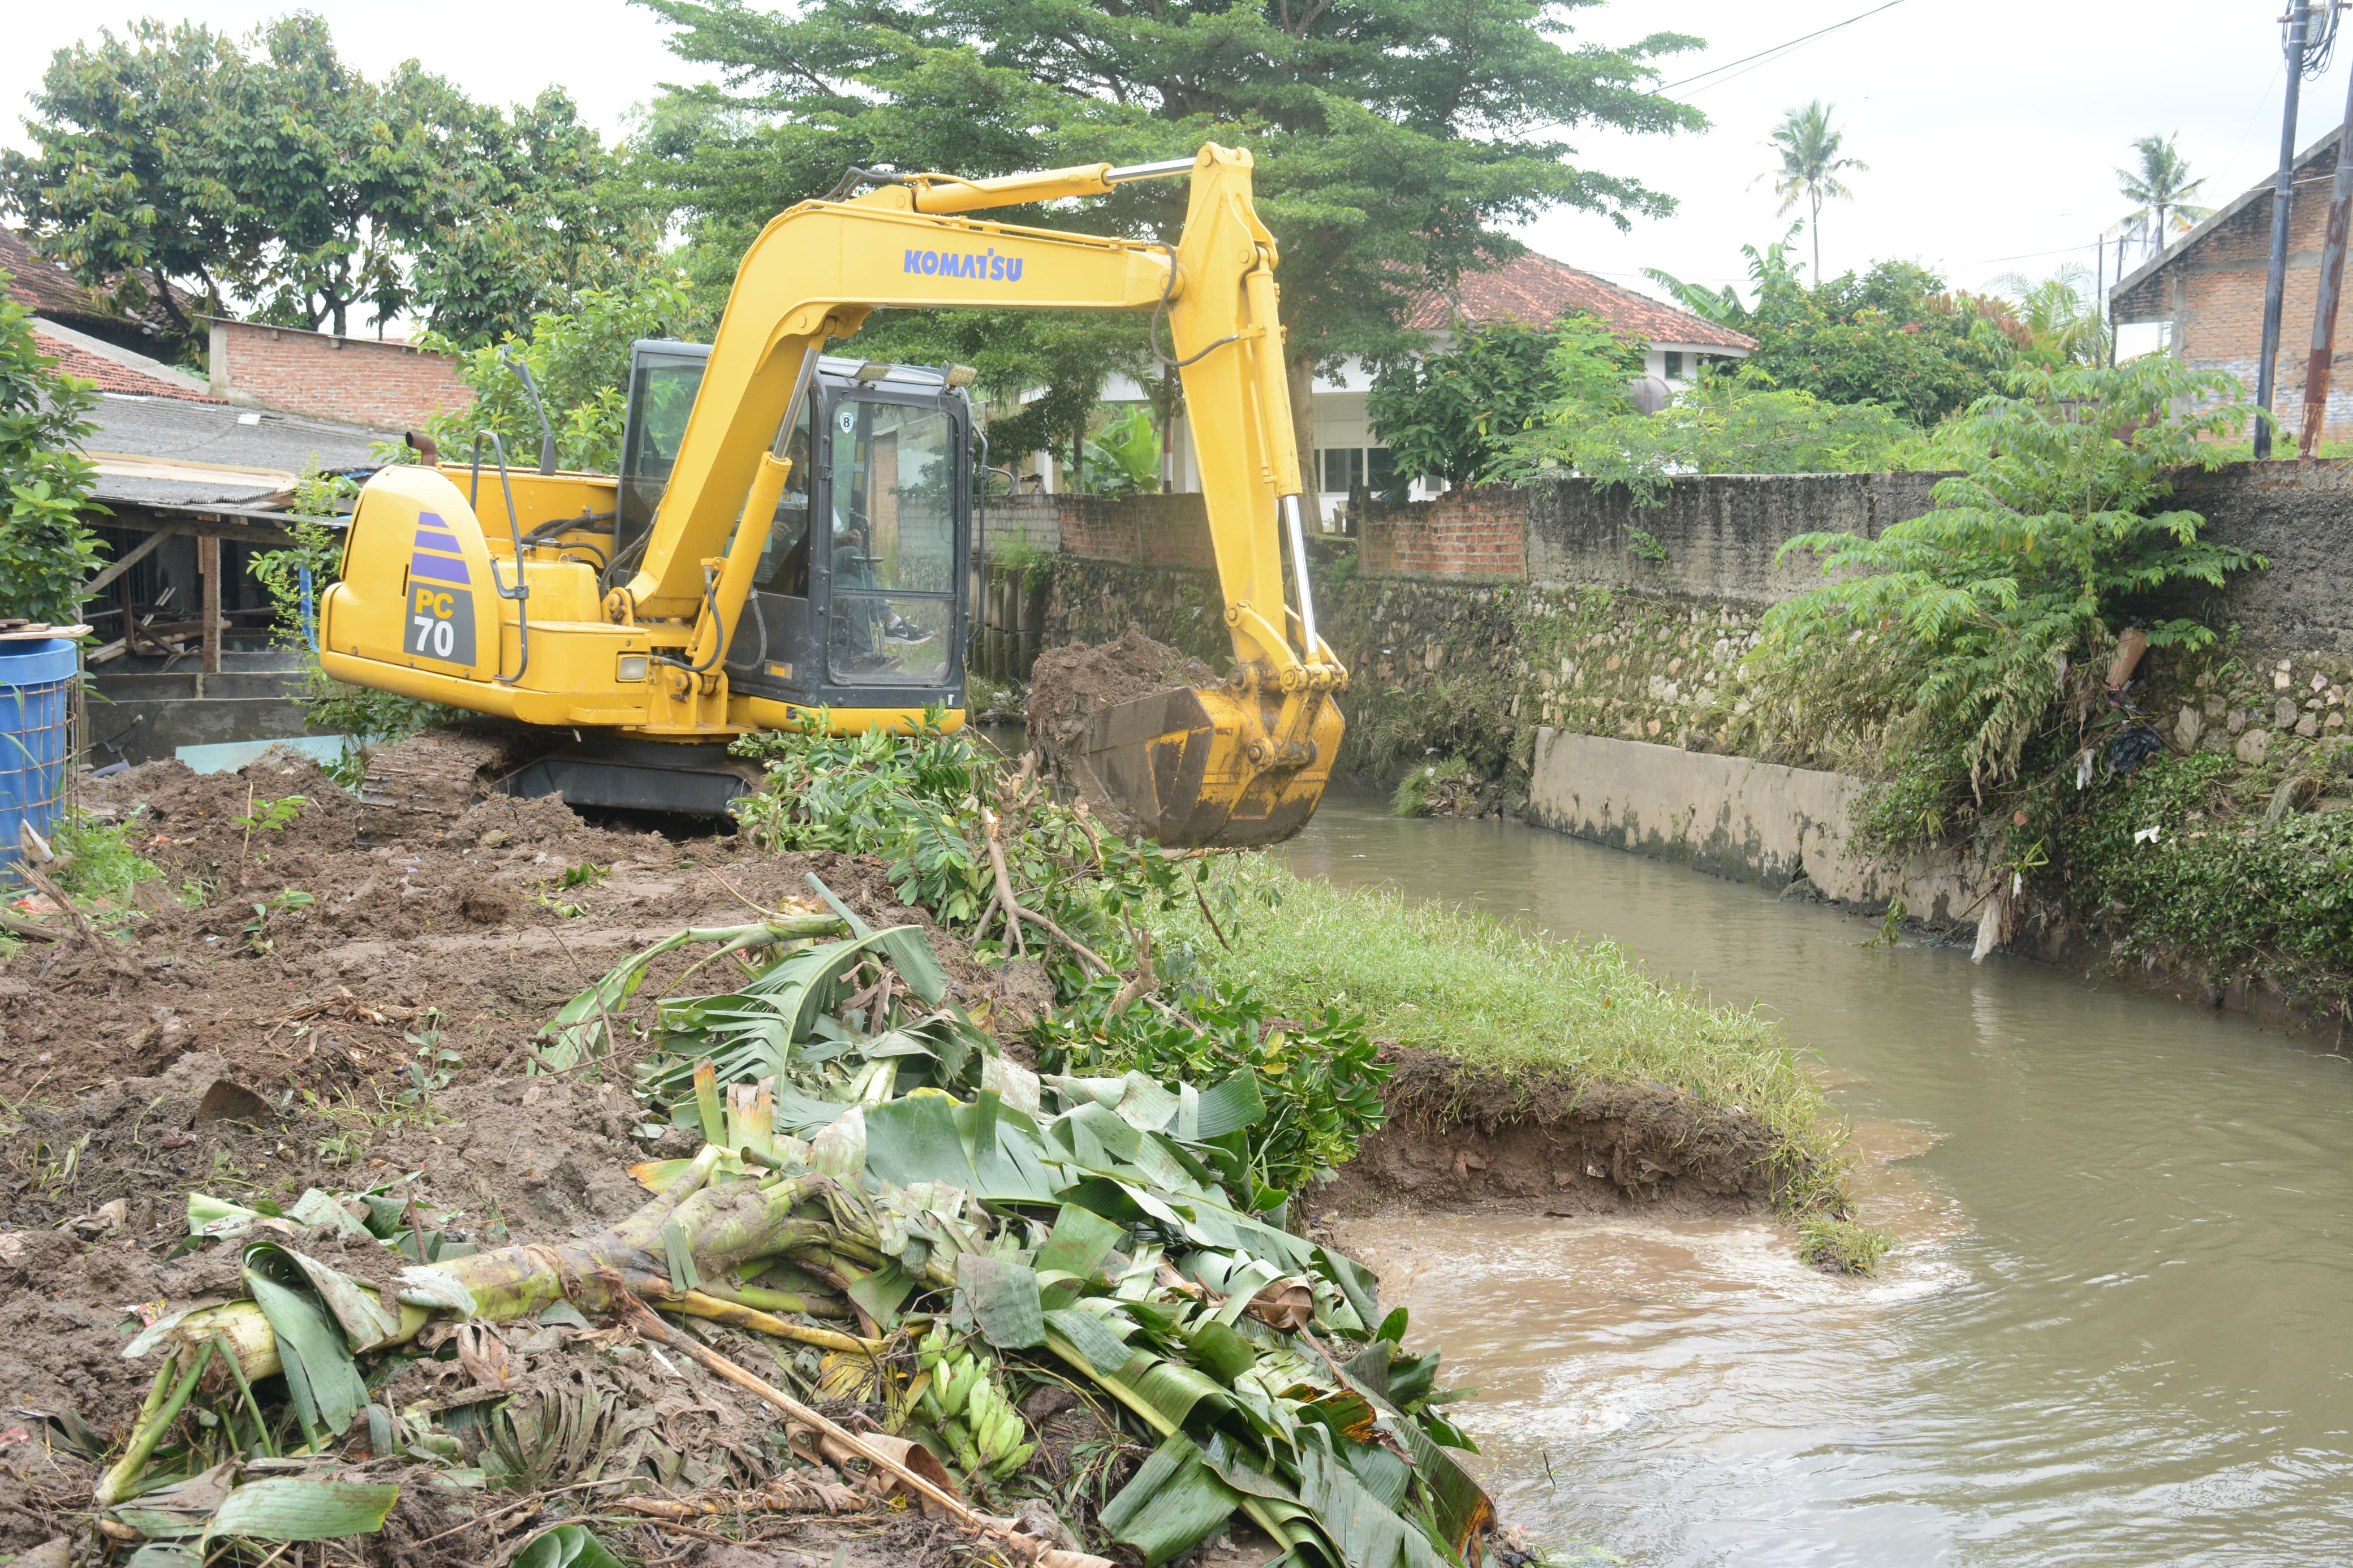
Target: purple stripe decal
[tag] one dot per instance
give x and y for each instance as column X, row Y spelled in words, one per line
column 439, row 570
column 428, row 540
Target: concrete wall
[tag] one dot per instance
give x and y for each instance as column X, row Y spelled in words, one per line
column 391, row 386
column 1033, row 520
column 1731, row 817
column 2298, row 516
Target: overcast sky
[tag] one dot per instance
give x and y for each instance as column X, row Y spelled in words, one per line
column 1993, row 130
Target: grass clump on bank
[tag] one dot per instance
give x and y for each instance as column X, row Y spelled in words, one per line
column 1492, row 995
column 1431, row 787
column 1842, row 1247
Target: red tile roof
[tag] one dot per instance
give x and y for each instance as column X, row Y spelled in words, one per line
column 75, row 360
column 48, row 289
column 1536, row 290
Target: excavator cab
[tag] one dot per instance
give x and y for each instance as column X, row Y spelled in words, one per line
column 860, row 597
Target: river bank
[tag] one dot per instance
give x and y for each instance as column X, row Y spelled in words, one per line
column 2144, row 1371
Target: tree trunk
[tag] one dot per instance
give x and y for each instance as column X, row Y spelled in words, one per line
column 1301, row 373
column 171, row 306
column 1816, row 235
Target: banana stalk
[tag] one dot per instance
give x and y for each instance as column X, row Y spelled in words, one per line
column 727, row 1226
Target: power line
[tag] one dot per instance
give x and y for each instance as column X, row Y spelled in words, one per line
column 1779, row 48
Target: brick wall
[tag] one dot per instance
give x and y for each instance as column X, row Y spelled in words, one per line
column 1033, row 520
column 391, row 386
column 1463, row 536
column 1709, row 538
column 1169, row 531
column 2211, row 293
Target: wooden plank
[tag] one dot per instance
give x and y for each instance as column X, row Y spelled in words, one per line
column 122, row 564
column 209, row 562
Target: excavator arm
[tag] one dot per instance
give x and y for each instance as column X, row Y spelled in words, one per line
column 1244, row 762
column 819, row 268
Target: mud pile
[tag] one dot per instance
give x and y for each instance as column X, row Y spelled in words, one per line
column 318, row 954
column 1070, row 685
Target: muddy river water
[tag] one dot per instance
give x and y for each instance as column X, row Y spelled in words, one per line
column 2120, row 1331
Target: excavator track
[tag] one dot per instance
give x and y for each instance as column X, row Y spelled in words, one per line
column 437, row 775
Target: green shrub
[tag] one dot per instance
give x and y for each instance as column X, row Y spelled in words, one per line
column 2218, row 889
column 1955, row 640
column 916, row 802
column 46, row 548
column 1319, row 1079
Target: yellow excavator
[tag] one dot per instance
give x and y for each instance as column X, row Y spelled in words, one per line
column 789, row 542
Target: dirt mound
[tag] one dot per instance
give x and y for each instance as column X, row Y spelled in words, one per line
column 229, row 828
column 320, row 955
column 1070, row 685
column 1465, row 1137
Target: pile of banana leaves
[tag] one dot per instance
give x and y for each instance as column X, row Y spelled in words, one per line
column 932, row 1228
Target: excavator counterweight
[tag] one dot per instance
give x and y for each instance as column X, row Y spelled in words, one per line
column 789, row 541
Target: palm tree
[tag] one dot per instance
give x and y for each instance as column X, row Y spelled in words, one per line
column 1811, row 166
column 2162, row 187
column 2060, row 314
column 1721, row 306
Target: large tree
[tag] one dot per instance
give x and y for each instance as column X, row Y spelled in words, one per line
column 1893, row 336
column 126, row 185
column 271, row 171
column 1396, row 139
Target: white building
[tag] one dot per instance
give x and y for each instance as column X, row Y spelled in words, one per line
column 1533, row 289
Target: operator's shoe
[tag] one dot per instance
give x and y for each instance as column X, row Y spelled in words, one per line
column 898, row 631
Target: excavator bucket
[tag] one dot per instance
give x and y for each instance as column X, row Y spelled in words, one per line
column 1175, row 765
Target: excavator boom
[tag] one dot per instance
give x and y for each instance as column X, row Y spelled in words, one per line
column 444, row 598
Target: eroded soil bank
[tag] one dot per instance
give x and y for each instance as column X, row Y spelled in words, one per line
column 1462, row 1139
column 348, row 996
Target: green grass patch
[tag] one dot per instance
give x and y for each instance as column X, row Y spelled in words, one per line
column 1493, row 995
column 1421, row 791
column 1840, row 1246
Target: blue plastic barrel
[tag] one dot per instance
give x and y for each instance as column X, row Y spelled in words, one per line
column 36, row 677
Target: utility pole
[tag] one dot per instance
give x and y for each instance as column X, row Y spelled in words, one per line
column 2299, row 24
column 2100, row 289
column 2332, row 275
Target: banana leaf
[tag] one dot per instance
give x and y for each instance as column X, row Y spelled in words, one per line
column 1102, row 1349
column 296, row 1507
column 1172, row 1504
column 984, row 1147
column 1002, row 1298
column 321, row 1375
column 580, row 1028
column 1077, row 1246
column 749, row 1033
column 565, row 1546
column 906, row 947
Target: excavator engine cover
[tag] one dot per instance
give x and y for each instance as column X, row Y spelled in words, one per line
column 1176, row 765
